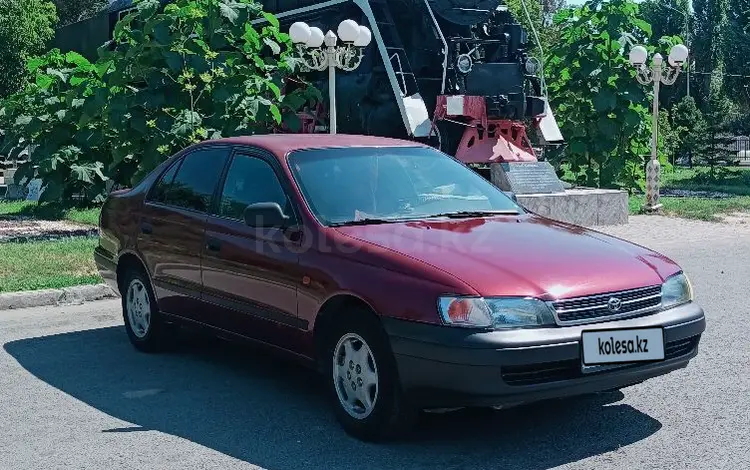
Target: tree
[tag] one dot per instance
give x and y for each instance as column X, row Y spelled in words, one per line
column 72, row 11
column 709, row 42
column 194, row 70
column 669, row 138
column 690, row 126
column 602, row 108
column 668, row 18
column 665, row 16
column 714, row 144
column 736, row 53
column 26, row 26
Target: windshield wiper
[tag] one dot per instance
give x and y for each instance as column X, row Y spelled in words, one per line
column 466, row 214
column 367, row 221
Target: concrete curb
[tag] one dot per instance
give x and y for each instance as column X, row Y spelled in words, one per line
column 66, row 296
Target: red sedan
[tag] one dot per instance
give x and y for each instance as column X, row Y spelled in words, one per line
column 405, row 277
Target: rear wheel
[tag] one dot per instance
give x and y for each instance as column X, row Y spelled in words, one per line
column 369, row 402
column 144, row 324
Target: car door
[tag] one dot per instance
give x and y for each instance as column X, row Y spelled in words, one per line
column 172, row 228
column 251, row 274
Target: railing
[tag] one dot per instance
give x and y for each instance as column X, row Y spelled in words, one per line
column 741, row 148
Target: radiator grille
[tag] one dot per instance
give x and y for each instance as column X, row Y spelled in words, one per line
column 631, row 303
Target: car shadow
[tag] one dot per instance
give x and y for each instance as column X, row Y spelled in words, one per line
column 256, row 407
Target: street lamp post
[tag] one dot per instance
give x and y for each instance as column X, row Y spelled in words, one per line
column 309, row 42
column 686, row 14
column 656, row 74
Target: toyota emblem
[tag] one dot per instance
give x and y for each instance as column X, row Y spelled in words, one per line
column 614, row 304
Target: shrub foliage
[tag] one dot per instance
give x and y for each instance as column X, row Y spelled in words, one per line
column 172, row 76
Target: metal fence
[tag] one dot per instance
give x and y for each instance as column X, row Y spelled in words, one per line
column 741, row 148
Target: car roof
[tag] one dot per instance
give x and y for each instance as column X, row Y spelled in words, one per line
column 282, row 144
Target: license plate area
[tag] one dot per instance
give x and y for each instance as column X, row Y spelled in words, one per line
column 621, row 346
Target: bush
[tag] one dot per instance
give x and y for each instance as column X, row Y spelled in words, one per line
column 603, row 110
column 195, row 70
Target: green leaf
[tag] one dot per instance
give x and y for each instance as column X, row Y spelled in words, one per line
column 186, row 123
column 23, row 120
column 271, row 19
column 251, row 36
column 44, row 81
column 275, row 113
column 79, row 61
column 102, row 67
column 161, row 34
column 173, row 60
column 33, row 64
column 58, row 74
column 605, row 100
column 275, row 89
column 229, row 11
column 608, row 128
column 275, row 48
column 643, row 26
column 82, row 173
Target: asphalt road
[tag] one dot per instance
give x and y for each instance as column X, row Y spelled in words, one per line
column 75, row 395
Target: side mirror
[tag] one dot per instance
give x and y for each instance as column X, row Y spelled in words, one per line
column 511, row 195
column 265, row 214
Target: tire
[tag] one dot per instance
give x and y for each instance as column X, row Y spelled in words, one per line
column 363, row 380
column 144, row 324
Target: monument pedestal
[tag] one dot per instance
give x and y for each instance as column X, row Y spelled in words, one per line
column 584, row 206
column 540, row 191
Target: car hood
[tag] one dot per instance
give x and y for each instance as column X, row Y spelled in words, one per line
column 522, row 255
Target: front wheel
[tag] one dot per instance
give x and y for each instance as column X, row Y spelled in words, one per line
column 369, row 401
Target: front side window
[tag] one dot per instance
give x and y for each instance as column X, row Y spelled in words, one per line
column 349, row 185
column 195, row 181
column 250, row 180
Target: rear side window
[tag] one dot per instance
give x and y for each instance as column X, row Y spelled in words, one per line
column 193, row 185
column 159, row 192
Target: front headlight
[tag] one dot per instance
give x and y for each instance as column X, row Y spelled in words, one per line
column 675, row 291
column 495, row 312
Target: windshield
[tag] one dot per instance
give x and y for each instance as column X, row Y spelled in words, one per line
column 369, row 185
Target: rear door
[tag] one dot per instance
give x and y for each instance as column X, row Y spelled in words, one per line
column 172, row 228
column 251, row 274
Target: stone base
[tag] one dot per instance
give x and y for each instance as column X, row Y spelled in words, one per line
column 586, row 207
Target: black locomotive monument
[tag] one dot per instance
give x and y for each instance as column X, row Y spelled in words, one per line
column 456, row 72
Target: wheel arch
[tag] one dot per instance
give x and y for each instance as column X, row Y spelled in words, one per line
column 130, row 259
column 333, row 308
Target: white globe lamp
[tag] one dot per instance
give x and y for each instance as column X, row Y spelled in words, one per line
column 364, row 38
column 678, row 55
column 299, row 32
column 348, row 31
column 316, row 37
column 638, row 55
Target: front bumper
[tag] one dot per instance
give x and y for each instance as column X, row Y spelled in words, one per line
column 445, row 367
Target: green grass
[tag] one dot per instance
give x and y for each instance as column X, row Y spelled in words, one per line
column 695, row 207
column 47, row 265
column 737, row 180
column 87, row 216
